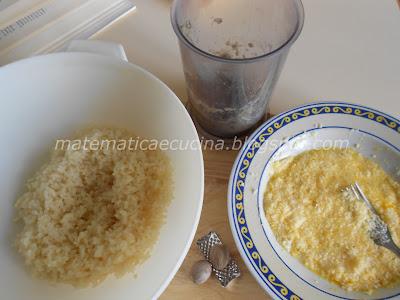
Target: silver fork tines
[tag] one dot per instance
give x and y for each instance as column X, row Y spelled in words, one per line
column 379, row 231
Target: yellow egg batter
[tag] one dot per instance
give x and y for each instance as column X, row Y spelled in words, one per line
column 328, row 232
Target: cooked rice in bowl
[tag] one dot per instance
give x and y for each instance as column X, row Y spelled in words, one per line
column 90, row 213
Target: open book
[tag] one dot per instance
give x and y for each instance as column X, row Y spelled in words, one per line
column 32, row 27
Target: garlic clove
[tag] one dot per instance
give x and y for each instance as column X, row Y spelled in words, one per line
column 201, row 271
column 219, row 256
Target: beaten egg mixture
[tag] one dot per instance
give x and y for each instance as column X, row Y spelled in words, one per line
column 328, row 232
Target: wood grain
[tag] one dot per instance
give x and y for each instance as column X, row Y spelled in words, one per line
column 214, row 217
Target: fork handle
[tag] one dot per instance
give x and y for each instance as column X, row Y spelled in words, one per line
column 393, row 247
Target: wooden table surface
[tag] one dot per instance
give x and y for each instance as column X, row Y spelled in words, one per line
column 214, row 217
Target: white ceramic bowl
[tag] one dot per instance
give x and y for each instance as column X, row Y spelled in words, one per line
column 48, row 97
column 373, row 133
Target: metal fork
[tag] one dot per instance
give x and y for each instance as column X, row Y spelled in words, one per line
column 379, row 231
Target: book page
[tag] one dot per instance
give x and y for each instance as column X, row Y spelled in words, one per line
column 43, row 26
column 35, row 18
column 6, row 3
